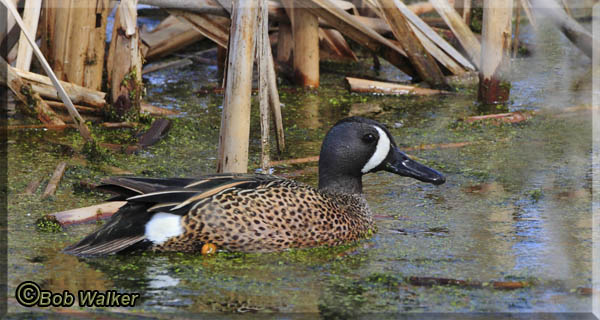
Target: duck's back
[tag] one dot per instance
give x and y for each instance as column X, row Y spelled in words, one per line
column 239, row 212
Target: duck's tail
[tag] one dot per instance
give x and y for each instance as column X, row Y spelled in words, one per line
column 125, row 231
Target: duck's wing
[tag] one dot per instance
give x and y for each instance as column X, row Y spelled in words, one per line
column 147, row 196
column 125, row 187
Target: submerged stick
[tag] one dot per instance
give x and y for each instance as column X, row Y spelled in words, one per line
column 511, row 117
column 41, row 126
column 87, row 214
column 157, row 131
column 156, row 111
column 117, row 125
column 295, row 161
column 369, row 86
column 54, row 180
column 431, row 281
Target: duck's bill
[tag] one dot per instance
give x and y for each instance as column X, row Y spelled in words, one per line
column 399, row 163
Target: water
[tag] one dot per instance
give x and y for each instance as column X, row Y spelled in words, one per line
column 516, row 205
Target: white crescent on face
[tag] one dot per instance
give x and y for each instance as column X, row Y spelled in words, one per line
column 381, row 151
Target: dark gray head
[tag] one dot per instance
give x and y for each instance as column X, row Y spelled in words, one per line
column 356, row 146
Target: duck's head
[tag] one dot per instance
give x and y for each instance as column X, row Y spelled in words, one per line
column 356, row 146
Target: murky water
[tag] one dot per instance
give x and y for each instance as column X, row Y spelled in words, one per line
column 516, row 205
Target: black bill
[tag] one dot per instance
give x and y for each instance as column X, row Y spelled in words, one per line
column 399, row 163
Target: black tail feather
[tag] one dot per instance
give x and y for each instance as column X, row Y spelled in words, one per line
column 125, row 229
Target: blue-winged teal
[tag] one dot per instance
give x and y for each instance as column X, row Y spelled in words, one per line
column 254, row 212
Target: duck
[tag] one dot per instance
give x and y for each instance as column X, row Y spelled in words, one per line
column 256, row 212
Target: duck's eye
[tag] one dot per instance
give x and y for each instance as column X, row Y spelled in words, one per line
column 369, row 138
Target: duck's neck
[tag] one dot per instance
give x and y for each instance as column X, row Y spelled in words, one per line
column 338, row 183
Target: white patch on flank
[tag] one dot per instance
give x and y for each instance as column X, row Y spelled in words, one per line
column 381, row 152
column 163, row 226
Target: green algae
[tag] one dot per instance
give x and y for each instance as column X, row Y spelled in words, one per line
column 48, row 225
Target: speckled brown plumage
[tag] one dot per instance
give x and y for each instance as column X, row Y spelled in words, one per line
column 241, row 212
column 271, row 217
column 250, row 213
